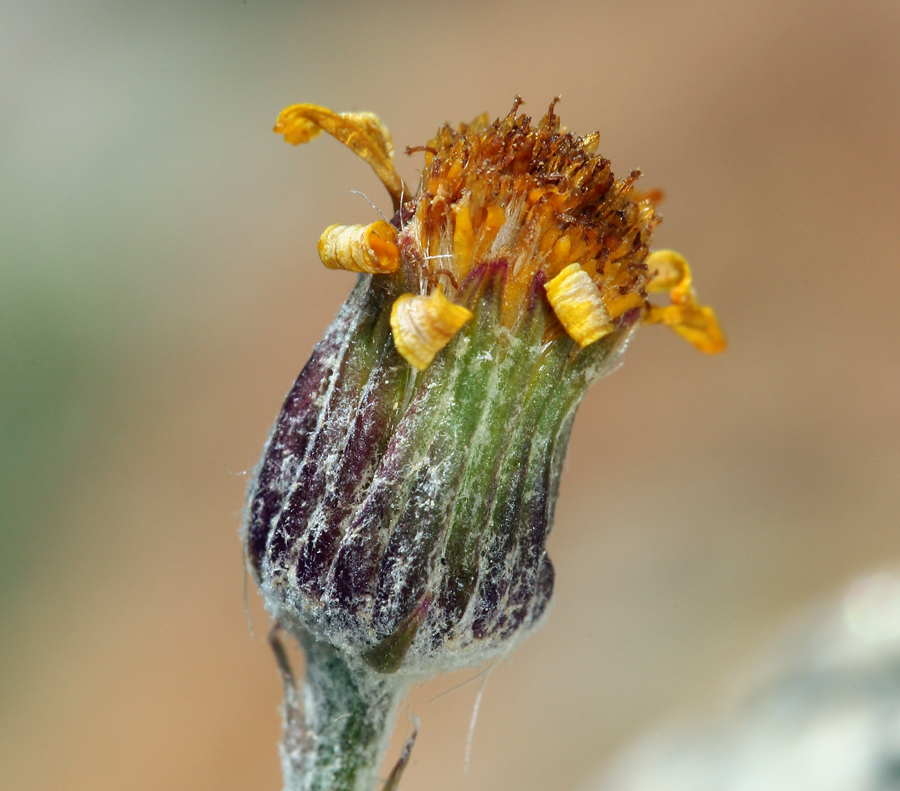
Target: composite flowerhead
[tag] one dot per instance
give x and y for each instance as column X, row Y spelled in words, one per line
column 403, row 502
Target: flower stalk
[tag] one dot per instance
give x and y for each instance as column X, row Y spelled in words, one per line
column 335, row 741
column 397, row 522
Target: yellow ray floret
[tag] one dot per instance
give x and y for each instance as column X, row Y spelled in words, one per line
column 362, row 133
column 360, row 248
column 697, row 324
column 576, row 301
column 422, row 326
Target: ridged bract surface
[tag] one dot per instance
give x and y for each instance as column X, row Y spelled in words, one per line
column 401, row 515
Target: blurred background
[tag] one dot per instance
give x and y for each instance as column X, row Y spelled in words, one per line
column 160, row 290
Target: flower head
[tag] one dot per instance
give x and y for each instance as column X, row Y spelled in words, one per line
column 403, row 502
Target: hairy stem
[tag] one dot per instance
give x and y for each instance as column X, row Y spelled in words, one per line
column 339, row 740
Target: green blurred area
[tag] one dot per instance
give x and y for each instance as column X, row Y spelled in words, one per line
column 114, row 184
column 54, row 392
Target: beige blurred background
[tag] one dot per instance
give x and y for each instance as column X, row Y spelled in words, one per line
column 159, row 292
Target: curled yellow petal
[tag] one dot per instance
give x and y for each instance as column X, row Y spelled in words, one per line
column 576, row 301
column 697, row 324
column 360, row 248
column 362, row 133
column 668, row 271
column 422, row 326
